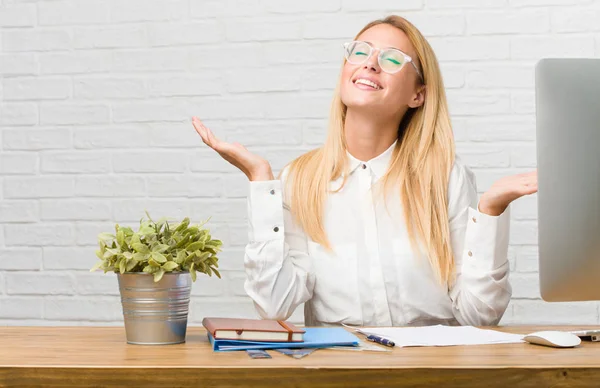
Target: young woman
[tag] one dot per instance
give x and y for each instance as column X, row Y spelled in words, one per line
column 381, row 226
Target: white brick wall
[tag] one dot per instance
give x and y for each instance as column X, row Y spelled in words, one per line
column 95, row 126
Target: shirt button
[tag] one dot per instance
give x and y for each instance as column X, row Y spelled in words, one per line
column 276, row 229
column 364, row 166
column 470, row 253
column 272, row 192
column 474, row 219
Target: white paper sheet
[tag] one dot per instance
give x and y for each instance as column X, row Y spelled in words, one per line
column 441, row 335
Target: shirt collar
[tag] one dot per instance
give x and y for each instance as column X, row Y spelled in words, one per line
column 378, row 165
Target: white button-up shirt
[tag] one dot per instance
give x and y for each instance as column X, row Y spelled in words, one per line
column 373, row 277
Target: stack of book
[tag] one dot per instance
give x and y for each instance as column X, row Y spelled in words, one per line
column 227, row 334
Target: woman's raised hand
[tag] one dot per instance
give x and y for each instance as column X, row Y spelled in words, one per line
column 255, row 167
column 507, row 189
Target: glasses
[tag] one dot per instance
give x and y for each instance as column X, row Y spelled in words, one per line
column 390, row 60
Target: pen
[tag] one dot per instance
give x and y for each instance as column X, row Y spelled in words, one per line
column 380, row 340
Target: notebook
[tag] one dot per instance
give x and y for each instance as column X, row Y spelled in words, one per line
column 252, row 330
column 314, row 337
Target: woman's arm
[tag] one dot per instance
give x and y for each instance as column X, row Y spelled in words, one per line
column 277, row 264
column 278, row 269
column 481, row 291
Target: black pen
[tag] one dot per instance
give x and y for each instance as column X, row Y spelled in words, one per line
column 380, row 340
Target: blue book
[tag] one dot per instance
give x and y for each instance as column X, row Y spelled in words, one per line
column 314, row 337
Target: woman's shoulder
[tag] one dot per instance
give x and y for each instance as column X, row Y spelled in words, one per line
column 461, row 173
column 293, row 167
column 462, row 184
column 293, row 172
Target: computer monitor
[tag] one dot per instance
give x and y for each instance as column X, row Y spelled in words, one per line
column 567, row 95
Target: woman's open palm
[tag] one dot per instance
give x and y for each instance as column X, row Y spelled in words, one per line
column 250, row 164
column 508, row 189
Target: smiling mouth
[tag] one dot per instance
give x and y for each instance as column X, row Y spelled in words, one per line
column 365, row 84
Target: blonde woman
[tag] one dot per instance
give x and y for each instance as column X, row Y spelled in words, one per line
column 381, row 226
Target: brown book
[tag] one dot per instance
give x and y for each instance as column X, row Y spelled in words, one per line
column 253, row 330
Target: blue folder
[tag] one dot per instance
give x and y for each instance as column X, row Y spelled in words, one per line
column 314, row 337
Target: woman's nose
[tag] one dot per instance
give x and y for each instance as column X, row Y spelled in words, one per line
column 372, row 63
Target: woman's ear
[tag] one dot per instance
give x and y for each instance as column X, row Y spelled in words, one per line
column 418, row 98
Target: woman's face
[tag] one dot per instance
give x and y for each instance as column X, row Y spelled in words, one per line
column 395, row 92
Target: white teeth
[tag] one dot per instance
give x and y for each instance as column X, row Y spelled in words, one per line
column 367, row 82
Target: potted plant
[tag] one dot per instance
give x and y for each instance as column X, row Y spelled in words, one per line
column 155, row 267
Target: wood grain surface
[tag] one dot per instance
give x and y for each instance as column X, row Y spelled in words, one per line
column 100, row 357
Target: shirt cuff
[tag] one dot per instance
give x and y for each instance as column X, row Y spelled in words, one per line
column 486, row 241
column 265, row 211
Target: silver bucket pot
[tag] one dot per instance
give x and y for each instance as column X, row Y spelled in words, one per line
column 155, row 313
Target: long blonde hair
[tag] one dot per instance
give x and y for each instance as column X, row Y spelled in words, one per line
column 420, row 164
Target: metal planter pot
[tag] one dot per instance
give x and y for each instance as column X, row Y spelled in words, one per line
column 155, row 313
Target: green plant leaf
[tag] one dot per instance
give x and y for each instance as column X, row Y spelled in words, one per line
column 160, row 248
column 162, row 223
column 159, row 257
column 130, row 265
column 217, row 273
column 135, row 239
column 146, row 230
column 121, row 238
column 192, row 230
column 193, row 272
column 140, row 248
column 183, row 242
column 202, row 256
column 127, row 231
column 181, row 256
column 106, row 236
column 212, row 245
column 198, row 245
column 97, row 266
column 148, row 215
column 166, row 234
column 183, row 225
column 158, row 275
column 170, row 266
column 204, row 222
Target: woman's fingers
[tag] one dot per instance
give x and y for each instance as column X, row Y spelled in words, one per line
column 528, row 175
column 529, row 183
column 215, row 143
column 207, row 136
column 234, row 153
column 223, row 148
column 199, row 127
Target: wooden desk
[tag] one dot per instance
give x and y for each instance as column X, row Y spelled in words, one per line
column 100, row 357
